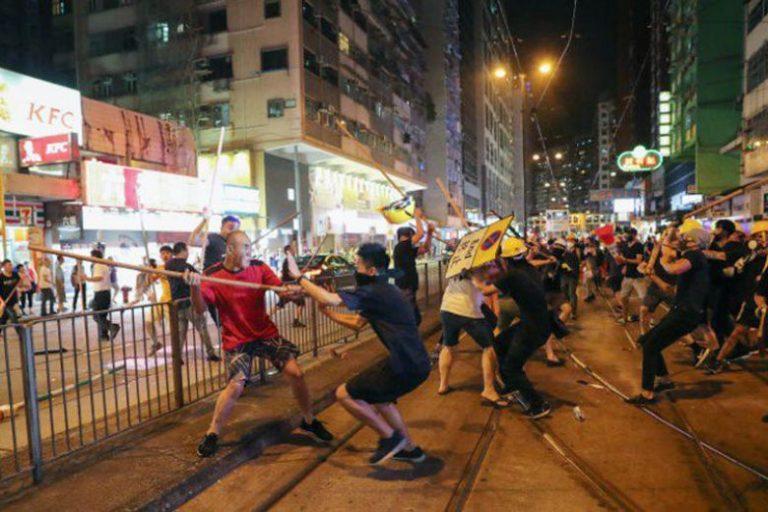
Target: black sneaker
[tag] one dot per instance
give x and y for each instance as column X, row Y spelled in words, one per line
column 213, row 358
column 316, row 431
column 113, row 330
column 416, row 455
column 208, row 446
column 387, row 449
column 538, row 411
column 641, row 401
column 716, row 367
column 663, row 386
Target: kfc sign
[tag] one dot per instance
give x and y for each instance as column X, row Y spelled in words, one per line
column 35, row 108
column 48, row 150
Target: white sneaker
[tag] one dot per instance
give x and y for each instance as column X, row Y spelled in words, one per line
column 703, row 357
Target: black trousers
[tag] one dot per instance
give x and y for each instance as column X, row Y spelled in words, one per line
column 717, row 302
column 672, row 327
column 102, row 301
column 514, row 346
column 78, row 294
column 47, row 299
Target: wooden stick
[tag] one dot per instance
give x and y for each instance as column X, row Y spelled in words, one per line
column 150, row 270
column 451, row 202
column 728, row 197
column 314, row 255
column 279, row 225
column 386, row 175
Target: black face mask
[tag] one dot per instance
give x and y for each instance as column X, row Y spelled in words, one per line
column 364, row 279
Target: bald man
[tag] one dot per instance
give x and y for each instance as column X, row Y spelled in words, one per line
column 248, row 333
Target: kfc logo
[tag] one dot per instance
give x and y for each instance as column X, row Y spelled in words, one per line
column 48, row 150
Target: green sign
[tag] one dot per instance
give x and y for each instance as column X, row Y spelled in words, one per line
column 640, row 159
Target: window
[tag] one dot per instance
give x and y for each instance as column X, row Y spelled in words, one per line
column 329, row 31
column 271, row 9
column 757, row 68
column 217, row 68
column 129, row 83
column 112, row 41
column 308, row 13
column 291, row 194
column 160, row 33
column 214, row 116
column 756, row 15
column 61, row 7
column 275, row 107
column 274, row 60
column 331, row 76
column 343, row 44
column 217, row 21
column 310, row 62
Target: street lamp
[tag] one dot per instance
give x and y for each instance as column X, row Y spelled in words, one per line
column 545, row 68
column 558, row 156
column 500, row 72
column 536, row 157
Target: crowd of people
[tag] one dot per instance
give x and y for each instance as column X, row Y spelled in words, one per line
column 705, row 290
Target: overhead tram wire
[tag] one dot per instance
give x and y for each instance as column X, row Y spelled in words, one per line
column 562, row 55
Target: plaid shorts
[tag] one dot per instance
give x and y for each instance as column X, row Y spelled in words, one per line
column 277, row 351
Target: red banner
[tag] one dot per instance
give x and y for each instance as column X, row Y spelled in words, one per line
column 48, row 150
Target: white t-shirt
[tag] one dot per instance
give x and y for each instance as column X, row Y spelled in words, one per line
column 462, row 298
column 45, row 277
column 102, row 272
column 293, row 268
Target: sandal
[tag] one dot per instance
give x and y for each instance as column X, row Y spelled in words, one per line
column 499, row 403
column 445, row 391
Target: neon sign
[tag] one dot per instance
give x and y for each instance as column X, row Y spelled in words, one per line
column 640, row 159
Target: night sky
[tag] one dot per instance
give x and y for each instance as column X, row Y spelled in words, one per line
column 589, row 69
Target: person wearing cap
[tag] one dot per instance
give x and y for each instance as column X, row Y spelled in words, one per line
column 409, row 246
column 687, row 313
column 524, row 338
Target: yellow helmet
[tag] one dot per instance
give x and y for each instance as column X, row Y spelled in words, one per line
column 513, row 247
column 760, row 226
column 400, row 211
column 689, row 225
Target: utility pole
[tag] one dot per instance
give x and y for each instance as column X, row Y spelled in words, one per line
column 297, row 197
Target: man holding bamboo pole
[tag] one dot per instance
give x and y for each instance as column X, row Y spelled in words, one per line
column 248, row 333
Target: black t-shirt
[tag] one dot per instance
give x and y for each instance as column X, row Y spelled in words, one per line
column 214, row 250
column 570, row 258
column 733, row 251
column 393, row 320
column 762, row 286
column 630, row 252
column 179, row 289
column 665, row 276
column 7, row 285
column 530, row 298
column 746, row 281
column 404, row 256
column 693, row 285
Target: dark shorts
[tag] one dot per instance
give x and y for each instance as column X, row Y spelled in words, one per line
column 747, row 316
column 380, row 385
column 614, row 282
column 654, row 296
column 277, row 351
column 478, row 329
column 299, row 301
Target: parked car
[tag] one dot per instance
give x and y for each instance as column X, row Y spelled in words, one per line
column 328, row 269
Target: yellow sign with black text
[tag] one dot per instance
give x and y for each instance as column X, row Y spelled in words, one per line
column 478, row 247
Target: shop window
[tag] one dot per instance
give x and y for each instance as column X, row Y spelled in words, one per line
column 275, row 107
column 214, row 116
column 217, row 21
column 160, row 33
column 271, row 9
column 310, row 62
column 274, row 60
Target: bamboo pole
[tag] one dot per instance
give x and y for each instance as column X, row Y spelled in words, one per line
column 156, row 271
column 279, row 225
column 343, row 127
column 453, row 204
column 728, row 197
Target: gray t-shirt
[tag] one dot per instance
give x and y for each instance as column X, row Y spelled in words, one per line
column 215, row 250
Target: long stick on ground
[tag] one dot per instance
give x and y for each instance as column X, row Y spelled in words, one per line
column 279, row 225
column 150, row 270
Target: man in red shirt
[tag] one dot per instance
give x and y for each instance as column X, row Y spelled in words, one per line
column 247, row 333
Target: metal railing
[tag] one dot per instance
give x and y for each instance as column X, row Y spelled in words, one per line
column 63, row 386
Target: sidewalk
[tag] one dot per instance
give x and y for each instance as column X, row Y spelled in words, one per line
column 155, row 464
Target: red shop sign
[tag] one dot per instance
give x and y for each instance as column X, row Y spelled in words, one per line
column 53, row 149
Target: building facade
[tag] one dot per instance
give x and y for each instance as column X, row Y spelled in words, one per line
column 705, row 68
column 335, row 88
column 755, row 107
column 605, row 126
column 439, row 24
column 492, row 118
